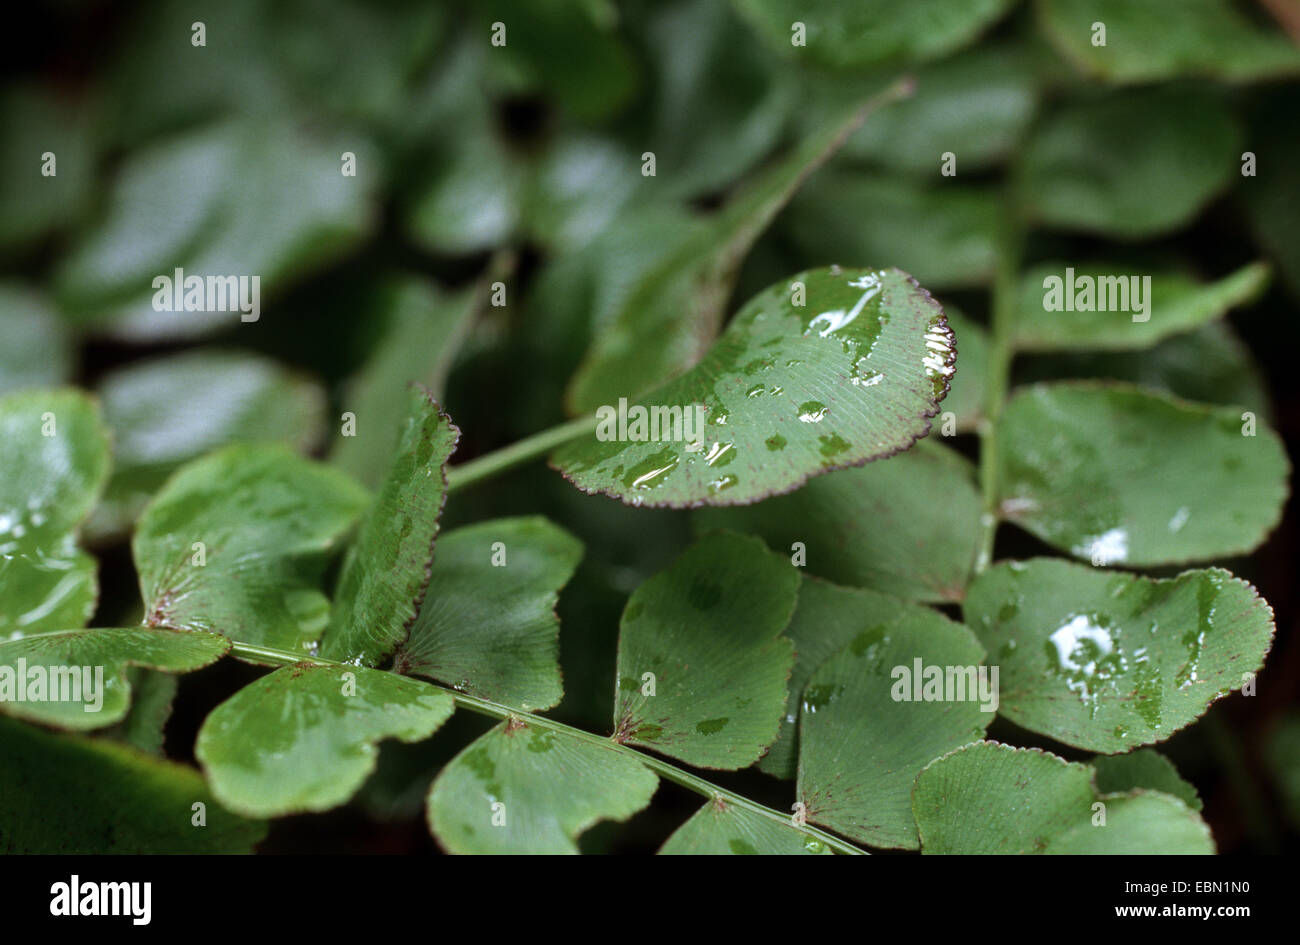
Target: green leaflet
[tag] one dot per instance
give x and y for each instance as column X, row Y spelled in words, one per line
column 965, row 401
column 867, row 724
column 1144, row 768
column 703, row 141
column 991, row 798
column 789, row 392
column 54, row 453
column 850, row 35
column 701, row 665
column 828, row 617
column 576, row 188
column 1133, row 164
column 168, row 410
column 236, row 543
column 719, row 828
column 245, row 198
column 387, row 569
column 669, row 318
column 469, row 199
column 63, row 794
column 943, row 235
column 488, row 625
column 1168, row 304
column 1167, row 39
column 38, row 350
column 975, row 105
column 1210, row 365
column 304, row 738
column 471, row 204
column 423, row 328
column 878, row 526
column 523, row 789
column 1107, row 661
column 145, row 724
column 82, row 674
column 1119, row 475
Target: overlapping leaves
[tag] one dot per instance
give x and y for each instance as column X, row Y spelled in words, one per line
column 55, row 456
column 831, row 368
column 1108, row 661
column 991, row 798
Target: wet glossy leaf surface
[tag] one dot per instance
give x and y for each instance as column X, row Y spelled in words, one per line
column 878, row 526
column 991, row 798
column 865, row 730
column 82, row 674
column 268, row 520
column 528, row 790
column 1109, row 661
column 304, row 738
column 387, row 568
column 54, row 450
column 1118, row 475
column 488, row 625
column 966, row 398
column 789, row 392
column 701, row 667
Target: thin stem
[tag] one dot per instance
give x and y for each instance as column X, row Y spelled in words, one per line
column 267, row 655
column 999, row 377
column 517, row 454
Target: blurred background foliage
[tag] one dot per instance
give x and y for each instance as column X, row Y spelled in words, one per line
column 522, row 163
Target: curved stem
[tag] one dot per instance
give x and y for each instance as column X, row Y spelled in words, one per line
column 999, row 377
column 265, row 655
column 517, row 454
